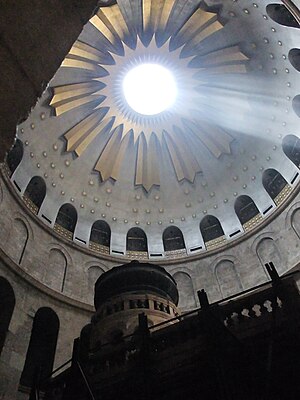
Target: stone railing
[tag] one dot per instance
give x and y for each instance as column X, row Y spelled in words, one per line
column 213, row 244
column 63, row 232
column 137, row 255
column 257, row 312
column 246, row 317
column 99, row 248
column 29, row 204
column 253, row 222
column 280, row 198
column 175, row 253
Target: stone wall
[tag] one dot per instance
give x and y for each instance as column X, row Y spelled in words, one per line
column 46, row 270
column 71, row 270
column 30, row 296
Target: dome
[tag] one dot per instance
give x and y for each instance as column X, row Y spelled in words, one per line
column 135, row 277
column 206, row 171
column 205, row 185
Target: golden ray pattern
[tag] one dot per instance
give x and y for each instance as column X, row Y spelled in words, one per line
column 179, row 35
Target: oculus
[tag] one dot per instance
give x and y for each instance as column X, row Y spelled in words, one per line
column 149, row 89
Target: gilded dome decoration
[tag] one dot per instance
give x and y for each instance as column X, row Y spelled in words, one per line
column 161, row 33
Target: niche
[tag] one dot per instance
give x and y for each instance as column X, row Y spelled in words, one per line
column 56, row 270
column 185, row 288
column 228, row 279
column 267, row 251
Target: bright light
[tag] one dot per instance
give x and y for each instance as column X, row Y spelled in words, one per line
column 149, row 89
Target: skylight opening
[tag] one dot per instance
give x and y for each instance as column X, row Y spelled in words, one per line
column 150, row 89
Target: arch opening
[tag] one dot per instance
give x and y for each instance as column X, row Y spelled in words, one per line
column 100, row 233
column 273, row 182
column 296, row 104
column 211, row 228
column 66, row 219
column 35, row 193
column 280, row 14
column 173, row 239
column 136, row 240
column 294, row 57
column 245, row 209
column 291, row 148
column 15, row 155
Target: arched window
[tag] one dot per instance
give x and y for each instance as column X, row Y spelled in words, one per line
column 294, row 57
column 245, row 209
column 67, row 217
column 42, row 345
column 15, row 155
column 296, row 104
column 100, row 233
column 273, row 182
column 173, row 239
column 136, row 240
column 7, row 305
column 210, row 228
column 280, row 14
column 291, row 148
column 185, row 288
column 36, row 191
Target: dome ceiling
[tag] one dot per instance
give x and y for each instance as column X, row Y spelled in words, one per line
column 194, row 64
column 220, row 140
